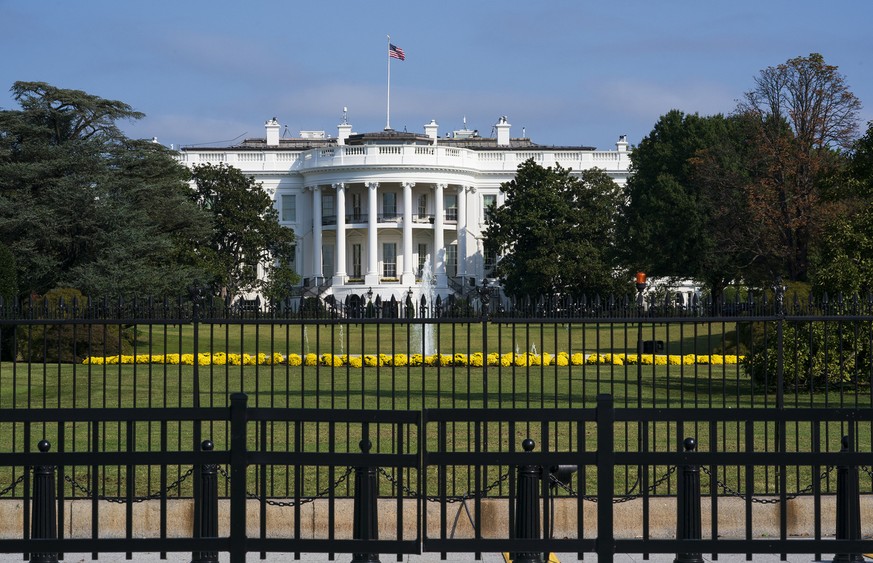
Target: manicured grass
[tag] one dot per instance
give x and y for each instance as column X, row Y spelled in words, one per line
column 340, row 337
column 38, row 385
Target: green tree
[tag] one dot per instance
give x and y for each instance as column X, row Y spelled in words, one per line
column 245, row 233
column 83, row 206
column 556, row 232
column 8, row 294
column 8, row 276
column 683, row 216
column 842, row 261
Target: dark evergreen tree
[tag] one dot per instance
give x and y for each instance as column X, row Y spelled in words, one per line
column 83, row 206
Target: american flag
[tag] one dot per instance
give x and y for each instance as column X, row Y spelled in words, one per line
column 396, row 52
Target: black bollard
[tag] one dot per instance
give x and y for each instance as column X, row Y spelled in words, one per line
column 44, row 519
column 527, row 506
column 207, row 499
column 688, row 506
column 848, row 506
column 365, row 522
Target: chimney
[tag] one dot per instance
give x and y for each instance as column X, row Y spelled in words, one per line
column 432, row 130
column 343, row 132
column 272, row 132
column 343, row 129
column 502, row 132
column 621, row 145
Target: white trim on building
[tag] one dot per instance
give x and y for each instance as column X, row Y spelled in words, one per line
column 371, row 203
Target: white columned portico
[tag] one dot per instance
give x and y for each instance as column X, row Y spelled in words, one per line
column 372, row 277
column 339, row 277
column 317, row 270
column 439, row 243
column 462, row 232
column 408, row 276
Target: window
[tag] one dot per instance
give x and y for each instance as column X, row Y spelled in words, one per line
column 356, row 208
column 289, row 208
column 489, row 201
column 389, row 204
column 290, row 259
column 327, row 208
column 452, row 260
column 422, row 205
column 490, row 262
column 327, row 261
column 356, row 260
column 422, row 258
column 389, row 260
column 451, row 207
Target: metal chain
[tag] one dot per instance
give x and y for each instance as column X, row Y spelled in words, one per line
column 448, row 500
column 867, row 470
column 13, row 485
column 303, row 500
column 732, row 492
column 121, row 500
column 616, row 500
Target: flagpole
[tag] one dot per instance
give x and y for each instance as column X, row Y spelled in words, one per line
column 388, row 110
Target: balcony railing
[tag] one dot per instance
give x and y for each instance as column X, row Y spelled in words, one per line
column 449, row 215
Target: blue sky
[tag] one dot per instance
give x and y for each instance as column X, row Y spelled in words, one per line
column 568, row 72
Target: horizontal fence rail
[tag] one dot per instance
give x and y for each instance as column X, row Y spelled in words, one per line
column 382, row 478
column 766, row 384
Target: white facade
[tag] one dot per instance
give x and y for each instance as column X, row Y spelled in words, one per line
column 369, row 209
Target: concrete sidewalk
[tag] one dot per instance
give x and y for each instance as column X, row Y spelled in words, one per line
column 426, row 558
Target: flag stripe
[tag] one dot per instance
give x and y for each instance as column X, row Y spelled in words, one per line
column 396, row 52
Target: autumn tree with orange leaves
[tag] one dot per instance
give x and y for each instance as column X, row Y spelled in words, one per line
column 805, row 115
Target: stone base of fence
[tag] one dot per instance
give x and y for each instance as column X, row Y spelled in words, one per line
column 628, row 518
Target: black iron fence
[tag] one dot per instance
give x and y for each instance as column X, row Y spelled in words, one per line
column 396, row 468
column 482, row 351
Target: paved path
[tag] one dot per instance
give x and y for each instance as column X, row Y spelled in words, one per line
column 428, row 558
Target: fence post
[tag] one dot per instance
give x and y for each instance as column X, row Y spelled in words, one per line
column 44, row 521
column 688, row 506
column 207, row 499
column 527, row 506
column 605, row 478
column 365, row 522
column 848, row 506
column 238, row 460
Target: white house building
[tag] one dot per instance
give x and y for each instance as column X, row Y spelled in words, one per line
column 374, row 211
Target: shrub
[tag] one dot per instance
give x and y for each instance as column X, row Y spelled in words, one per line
column 815, row 354
column 68, row 342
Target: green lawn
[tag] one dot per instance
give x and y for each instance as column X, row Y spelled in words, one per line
column 390, row 337
column 38, row 385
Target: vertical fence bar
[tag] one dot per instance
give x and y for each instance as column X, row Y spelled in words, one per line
column 605, row 478
column 238, row 478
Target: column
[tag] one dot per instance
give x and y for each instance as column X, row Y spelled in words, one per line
column 340, row 274
column 408, row 276
column 439, row 244
column 462, row 232
column 372, row 277
column 317, row 271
